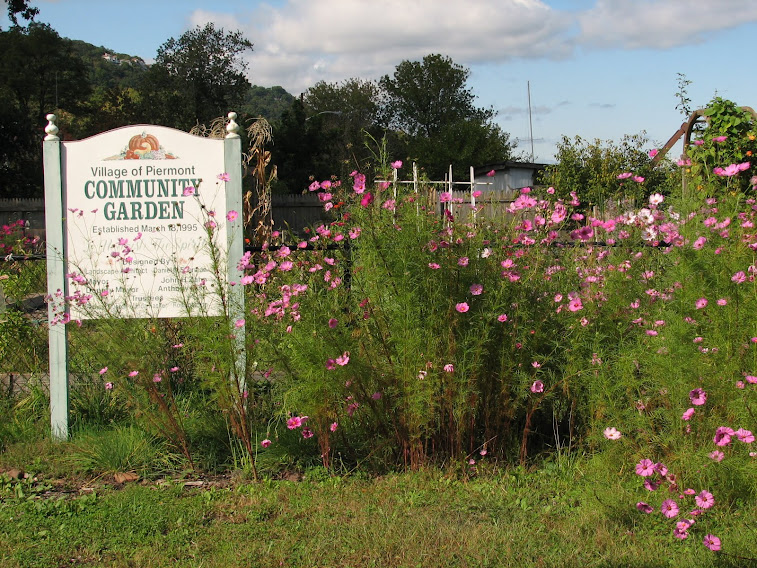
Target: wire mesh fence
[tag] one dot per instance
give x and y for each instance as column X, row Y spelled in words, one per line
column 23, row 323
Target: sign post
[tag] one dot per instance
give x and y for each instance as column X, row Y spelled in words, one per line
column 135, row 218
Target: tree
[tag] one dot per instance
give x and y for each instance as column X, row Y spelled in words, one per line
column 431, row 107
column 39, row 74
column 22, row 7
column 345, row 113
column 423, row 97
column 197, row 78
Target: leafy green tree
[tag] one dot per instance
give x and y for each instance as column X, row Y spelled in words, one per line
column 345, row 113
column 21, row 7
column 196, row 78
column 429, row 104
column 39, row 74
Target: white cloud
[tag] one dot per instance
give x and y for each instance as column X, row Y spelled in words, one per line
column 300, row 42
column 661, row 24
column 305, row 41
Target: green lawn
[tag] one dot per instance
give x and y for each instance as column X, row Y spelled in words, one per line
column 549, row 517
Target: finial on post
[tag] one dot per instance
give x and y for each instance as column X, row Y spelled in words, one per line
column 232, row 127
column 51, row 130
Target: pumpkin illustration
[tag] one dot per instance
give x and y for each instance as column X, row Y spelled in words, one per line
column 141, row 144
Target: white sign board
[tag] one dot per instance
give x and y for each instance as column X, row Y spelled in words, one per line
column 138, row 203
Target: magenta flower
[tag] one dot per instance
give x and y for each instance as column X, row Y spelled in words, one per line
column 103, row 370
column 701, row 303
column 333, row 322
column 343, row 359
column 669, row 508
column 723, row 436
column 232, row 215
column 396, row 165
column 712, row 542
column 644, row 507
column 739, row 277
column 265, row 443
column 334, row 426
column 188, row 191
column 476, row 289
column 156, row 378
column 645, row 468
column 449, row 368
column 537, row 386
column 717, row 455
column 699, row 243
column 705, row 499
column 307, row 433
column 108, row 386
column 491, row 173
column 698, row 397
column 330, row 364
column 575, row 304
column 688, row 413
column 625, row 175
column 224, row 177
column 462, row 261
column 462, row 307
column 294, row 422
column 502, row 318
column 745, row 436
column 367, row 199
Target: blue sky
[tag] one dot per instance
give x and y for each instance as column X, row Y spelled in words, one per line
column 597, row 68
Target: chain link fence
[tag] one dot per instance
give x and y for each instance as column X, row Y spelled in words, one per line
column 23, row 323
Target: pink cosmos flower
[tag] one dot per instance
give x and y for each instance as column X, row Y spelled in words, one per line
column 449, row 368
column 156, row 378
column 745, row 436
column 330, row 364
column 723, row 436
column 739, row 277
column 239, row 323
column 688, row 413
column 701, row 303
column 462, row 307
column 334, row 426
column 343, row 359
column 698, row 396
column 575, row 304
column 612, row 434
column 653, row 152
column 224, row 177
column 644, row 507
column 294, row 422
column 133, row 373
column 265, row 443
column 367, row 199
column 625, row 175
column 108, row 386
column 434, row 266
column 502, row 318
column 103, row 370
column 307, row 433
column 537, row 386
column 669, row 508
column 396, row 165
column 188, row 191
column 704, row 500
column 476, row 289
column 699, row 243
column 491, row 173
column 232, row 215
column 462, row 261
column 712, row 542
column 717, row 455
column 333, row 322
column 645, row 468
